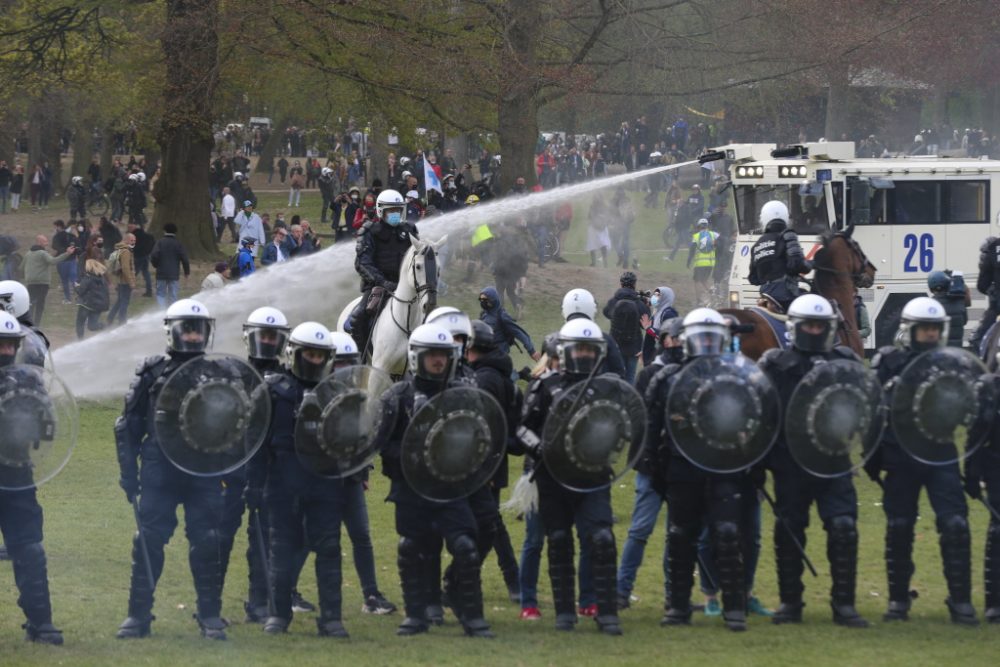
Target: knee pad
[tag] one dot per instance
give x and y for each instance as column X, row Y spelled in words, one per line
column 726, row 531
column 955, row 525
column 679, row 532
column 560, row 538
column 408, row 548
column 843, row 526
column 464, row 550
column 206, row 539
column 896, row 524
column 603, row 542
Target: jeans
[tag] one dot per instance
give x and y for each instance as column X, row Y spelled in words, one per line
column 294, row 194
column 91, row 318
column 166, row 292
column 120, row 307
column 645, row 512
column 67, row 276
column 142, row 268
column 4, row 191
column 531, row 557
column 15, row 200
column 37, row 294
column 631, row 364
column 355, row 518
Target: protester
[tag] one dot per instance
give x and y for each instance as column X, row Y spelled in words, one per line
column 38, row 263
column 167, row 258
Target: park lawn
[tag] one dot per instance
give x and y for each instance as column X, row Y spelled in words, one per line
column 89, row 529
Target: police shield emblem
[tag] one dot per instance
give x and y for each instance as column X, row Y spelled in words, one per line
column 723, row 413
column 835, row 418
column 39, row 421
column 454, row 444
column 212, row 415
column 335, row 433
column 943, row 406
column 594, row 433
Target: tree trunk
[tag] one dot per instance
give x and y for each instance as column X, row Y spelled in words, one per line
column 82, row 139
column 107, row 151
column 837, row 107
column 378, row 150
column 274, row 139
column 517, row 115
column 190, row 45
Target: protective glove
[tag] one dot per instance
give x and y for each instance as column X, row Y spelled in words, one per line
column 253, row 497
column 389, row 286
column 973, row 486
column 873, row 467
column 530, row 441
column 130, row 485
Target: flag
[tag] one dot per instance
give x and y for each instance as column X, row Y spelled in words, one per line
column 431, row 181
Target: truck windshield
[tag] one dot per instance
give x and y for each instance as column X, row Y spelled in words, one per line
column 805, row 201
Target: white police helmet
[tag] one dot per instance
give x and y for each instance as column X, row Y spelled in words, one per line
column 265, row 333
column 427, row 338
column 579, row 301
column 188, row 316
column 706, row 333
column 390, row 201
column 773, row 210
column 14, row 298
column 347, row 348
column 921, row 312
column 455, row 321
column 812, row 308
column 10, row 331
column 312, row 336
column 576, row 336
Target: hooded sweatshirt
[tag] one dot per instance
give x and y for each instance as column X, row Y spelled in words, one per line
column 506, row 330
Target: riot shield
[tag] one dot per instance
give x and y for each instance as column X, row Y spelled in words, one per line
column 723, row 413
column 835, row 418
column 33, row 350
column 338, row 421
column 39, row 421
column 943, row 406
column 594, row 433
column 454, row 444
column 212, row 415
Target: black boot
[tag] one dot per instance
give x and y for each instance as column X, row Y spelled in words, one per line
column 436, row 586
column 956, row 555
column 991, row 572
column 842, row 551
column 211, row 627
column 563, row 577
column 331, row 627
column 206, row 570
column 681, row 554
column 140, row 601
column 329, row 579
column 467, row 597
column 44, row 633
column 604, row 557
column 732, row 581
column 790, row 567
column 411, row 576
column 898, row 567
column 31, row 577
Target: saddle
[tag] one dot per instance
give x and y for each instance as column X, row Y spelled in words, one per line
column 777, row 323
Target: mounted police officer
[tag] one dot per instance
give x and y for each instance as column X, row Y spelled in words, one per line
column 381, row 246
column 923, row 327
column 265, row 333
column 813, row 324
column 697, row 498
column 988, row 283
column 303, row 510
column 161, row 486
column 581, row 348
column 776, row 259
column 20, row 513
column 422, row 523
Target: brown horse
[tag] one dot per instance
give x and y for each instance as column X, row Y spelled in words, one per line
column 839, row 266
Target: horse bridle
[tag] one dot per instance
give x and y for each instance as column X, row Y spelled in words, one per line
column 429, row 288
column 859, row 278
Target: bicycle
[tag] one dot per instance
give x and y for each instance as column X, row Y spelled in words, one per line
column 98, row 203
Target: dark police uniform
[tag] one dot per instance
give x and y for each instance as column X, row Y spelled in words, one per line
column 776, row 261
column 988, row 283
column 380, row 250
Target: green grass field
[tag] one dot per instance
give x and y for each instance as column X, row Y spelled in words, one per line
column 89, row 529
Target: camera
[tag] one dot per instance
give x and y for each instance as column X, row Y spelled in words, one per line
column 646, row 294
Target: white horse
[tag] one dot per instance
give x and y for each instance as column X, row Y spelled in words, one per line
column 414, row 298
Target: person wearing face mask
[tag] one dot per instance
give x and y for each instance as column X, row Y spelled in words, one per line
column 121, row 266
column 62, row 240
column 662, row 304
column 382, row 244
column 367, row 211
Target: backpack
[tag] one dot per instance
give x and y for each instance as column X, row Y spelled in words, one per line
column 706, row 242
column 234, row 266
column 115, row 262
column 625, row 327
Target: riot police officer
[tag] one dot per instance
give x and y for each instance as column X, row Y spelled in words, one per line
column 578, row 304
column 581, row 348
column 421, row 523
column 161, row 487
column 988, row 283
column 14, row 299
column 381, row 246
column 923, row 327
column 983, row 469
column 302, row 509
column 694, row 496
column 776, row 259
column 20, row 513
column 264, row 335
column 813, row 324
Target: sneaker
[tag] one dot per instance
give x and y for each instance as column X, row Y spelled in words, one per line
column 713, row 608
column 589, row 610
column 300, row 604
column 377, row 604
column 755, row 606
column 530, row 614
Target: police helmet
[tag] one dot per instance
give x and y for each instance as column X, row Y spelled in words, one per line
column 579, row 301
column 347, row 349
column 313, row 337
column 483, row 337
column 265, row 333
column 455, row 321
column 390, row 207
column 10, row 332
column 471, row 200
column 186, row 317
column 14, row 298
column 76, row 180
column 581, row 346
column 429, row 338
column 706, row 333
column 812, row 309
column 919, row 313
column 773, row 210
column 938, row 281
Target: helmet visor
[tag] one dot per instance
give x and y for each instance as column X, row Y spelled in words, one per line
column 309, row 364
column 814, row 335
column 925, row 336
column 265, row 343
column 190, row 334
column 435, row 363
column 701, row 341
column 581, row 357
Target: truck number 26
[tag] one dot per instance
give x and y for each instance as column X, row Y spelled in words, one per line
column 920, row 249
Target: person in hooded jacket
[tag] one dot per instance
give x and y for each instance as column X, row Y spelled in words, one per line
column 625, row 310
column 93, row 296
column 662, row 302
column 506, row 330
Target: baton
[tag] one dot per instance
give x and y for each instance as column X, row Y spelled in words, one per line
column 703, row 568
column 788, row 529
column 142, row 544
column 262, row 548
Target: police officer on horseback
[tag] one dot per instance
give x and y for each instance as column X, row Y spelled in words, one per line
column 988, row 283
column 381, row 246
column 776, row 259
column 814, row 329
